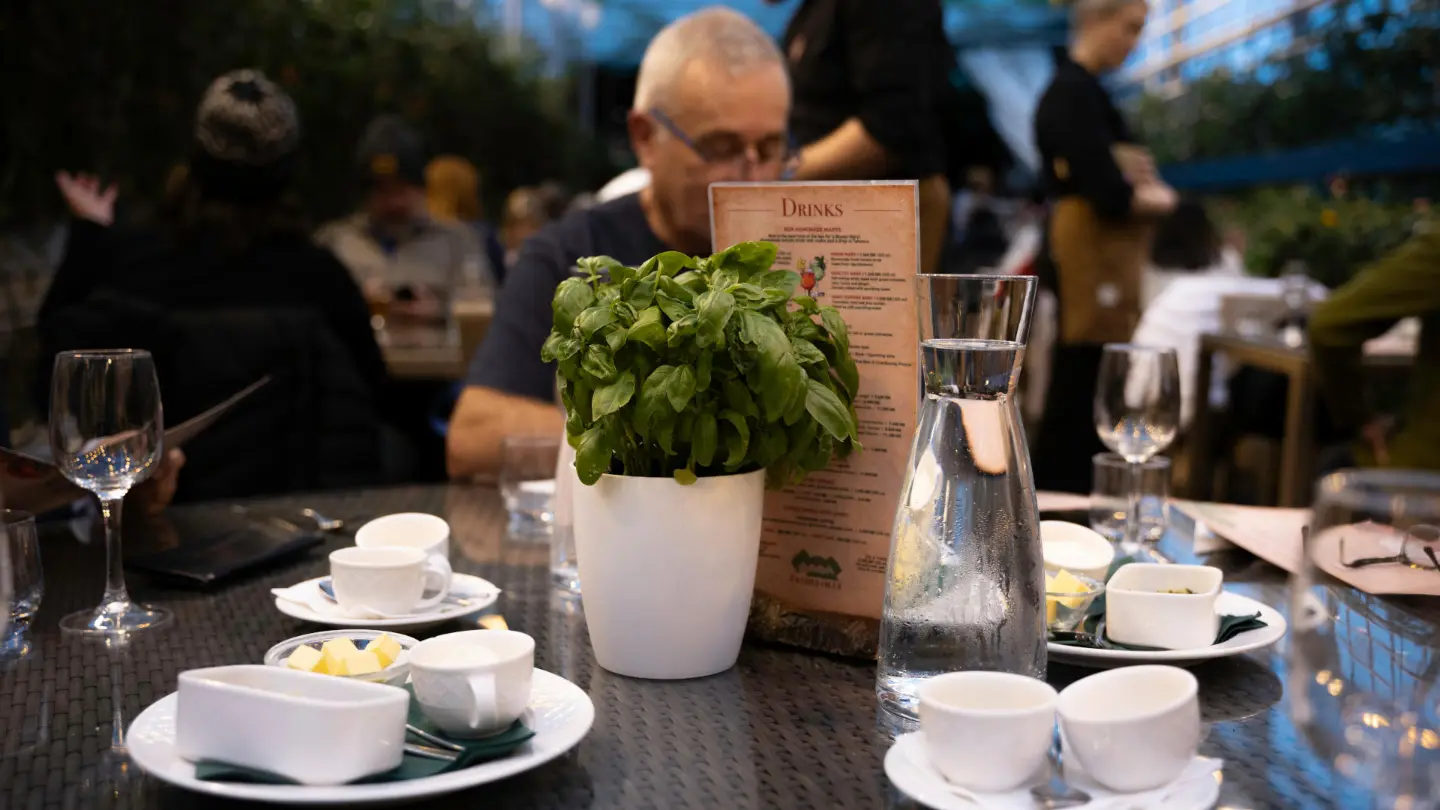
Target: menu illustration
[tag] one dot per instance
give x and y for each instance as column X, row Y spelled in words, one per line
column 855, row 246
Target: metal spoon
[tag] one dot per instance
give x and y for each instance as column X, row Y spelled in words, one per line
column 322, row 523
column 430, row 753
column 1056, row 792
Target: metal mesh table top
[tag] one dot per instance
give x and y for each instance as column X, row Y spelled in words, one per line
column 783, row 729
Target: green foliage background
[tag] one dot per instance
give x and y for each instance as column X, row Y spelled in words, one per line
column 112, row 87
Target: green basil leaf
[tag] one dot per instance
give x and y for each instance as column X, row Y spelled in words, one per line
column 580, row 393
column 599, row 364
column 606, row 296
column 571, row 298
column 835, row 325
column 784, row 280
column 665, row 434
column 611, row 398
column 705, row 439
column 768, row 445
column 737, row 439
column 644, row 292
column 827, row 409
column 694, row 282
column 713, row 309
column 676, row 290
column 549, row 349
column 795, row 409
column 685, row 477
column 625, row 314
column 654, row 401
column 849, row 375
column 681, row 387
column 746, row 259
column 591, row 320
column 806, row 353
column 648, row 329
column 592, row 455
column 805, row 329
column 774, row 298
column 738, row 397
column 806, row 304
column 680, row 330
column 801, row 436
column 748, row 295
column 703, row 370
column 669, row 263
column 598, row 266
column 615, row 337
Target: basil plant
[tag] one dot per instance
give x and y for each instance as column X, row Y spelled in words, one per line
column 690, row 367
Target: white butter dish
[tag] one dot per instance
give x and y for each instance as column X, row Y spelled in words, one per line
column 1078, row 549
column 314, row 729
column 1139, row 611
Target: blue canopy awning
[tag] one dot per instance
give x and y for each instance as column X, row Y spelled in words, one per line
column 1379, row 154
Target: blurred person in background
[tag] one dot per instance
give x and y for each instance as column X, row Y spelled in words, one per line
column 711, row 104
column 1187, row 244
column 871, row 83
column 527, row 210
column 1404, row 284
column 1105, row 195
column 400, row 255
column 229, row 248
column 452, row 194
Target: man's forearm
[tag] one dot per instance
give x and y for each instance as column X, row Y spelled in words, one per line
column 848, row 153
column 483, row 418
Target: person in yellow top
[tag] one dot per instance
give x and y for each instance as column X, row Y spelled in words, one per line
column 1404, row 284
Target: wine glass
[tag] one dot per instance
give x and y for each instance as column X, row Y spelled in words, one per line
column 1137, row 414
column 1363, row 671
column 107, row 435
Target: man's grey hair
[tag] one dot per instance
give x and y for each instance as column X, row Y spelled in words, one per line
column 1082, row 11
column 717, row 35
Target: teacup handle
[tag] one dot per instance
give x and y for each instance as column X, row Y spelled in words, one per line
column 439, row 568
column 486, row 699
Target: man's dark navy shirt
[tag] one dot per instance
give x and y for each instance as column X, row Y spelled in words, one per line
column 509, row 359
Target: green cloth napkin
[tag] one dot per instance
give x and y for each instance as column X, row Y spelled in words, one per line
column 411, row 766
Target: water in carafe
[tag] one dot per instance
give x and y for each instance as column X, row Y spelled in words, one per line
column 965, row 588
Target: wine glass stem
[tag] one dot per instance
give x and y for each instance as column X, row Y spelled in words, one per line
column 115, row 592
column 1132, row 512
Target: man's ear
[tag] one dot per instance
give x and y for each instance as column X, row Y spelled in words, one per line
column 642, row 136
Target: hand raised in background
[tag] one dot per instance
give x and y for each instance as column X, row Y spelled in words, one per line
column 87, row 198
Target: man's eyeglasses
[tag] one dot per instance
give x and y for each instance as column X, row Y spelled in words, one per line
column 725, row 148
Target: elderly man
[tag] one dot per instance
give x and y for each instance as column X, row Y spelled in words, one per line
column 711, row 105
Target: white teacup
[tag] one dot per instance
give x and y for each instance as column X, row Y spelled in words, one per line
column 1132, row 729
column 387, row 580
column 473, row 683
column 987, row 731
column 428, row 533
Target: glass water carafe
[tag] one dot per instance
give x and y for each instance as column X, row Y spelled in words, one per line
column 965, row 580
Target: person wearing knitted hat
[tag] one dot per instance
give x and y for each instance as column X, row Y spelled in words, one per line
column 227, row 236
column 394, row 248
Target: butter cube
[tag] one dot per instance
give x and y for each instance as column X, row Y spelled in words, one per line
column 385, row 648
column 335, row 653
column 1062, row 582
column 362, row 662
column 306, row 659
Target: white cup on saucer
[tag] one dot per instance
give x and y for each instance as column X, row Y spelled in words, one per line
column 428, row 533
column 987, row 731
column 473, row 683
column 1133, row 728
column 387, row 580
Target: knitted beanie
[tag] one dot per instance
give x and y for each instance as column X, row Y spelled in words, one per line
column 246, row 132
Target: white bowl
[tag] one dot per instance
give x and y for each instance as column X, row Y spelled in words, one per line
column 987, row 731
column 1138, row 612
column 1134, row 728
column 314, row 729
column 395, row 674
column 1078, row 549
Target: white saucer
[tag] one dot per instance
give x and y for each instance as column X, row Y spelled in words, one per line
column 911, row 772
column 1227, row 603
column 479, row 593
column 560, row 714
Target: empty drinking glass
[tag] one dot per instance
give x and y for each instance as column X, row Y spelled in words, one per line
column 527, row 483
column 1137, row 414
column 107, row 434
column 1110, row 496
column 27, row 581
column 564, row 563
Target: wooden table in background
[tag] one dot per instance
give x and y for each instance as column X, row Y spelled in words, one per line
column 1297, row 451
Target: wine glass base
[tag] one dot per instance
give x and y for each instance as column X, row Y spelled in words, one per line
column 117, row 618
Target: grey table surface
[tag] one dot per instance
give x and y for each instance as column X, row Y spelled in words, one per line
column 783, row 729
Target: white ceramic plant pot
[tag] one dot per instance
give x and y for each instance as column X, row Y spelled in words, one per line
column 668, row 571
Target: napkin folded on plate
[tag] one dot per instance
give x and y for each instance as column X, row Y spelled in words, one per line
column 1091, row 631
column 411, row 765
column 308, row 595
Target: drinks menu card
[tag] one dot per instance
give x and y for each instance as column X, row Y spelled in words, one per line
column 855, row 246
